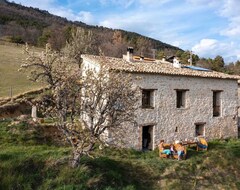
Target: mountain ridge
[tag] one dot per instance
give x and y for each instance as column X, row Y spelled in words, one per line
column 38, row 27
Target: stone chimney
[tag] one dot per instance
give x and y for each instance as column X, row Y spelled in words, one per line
column 129, row 56
column 163, row 58
column 176, row 63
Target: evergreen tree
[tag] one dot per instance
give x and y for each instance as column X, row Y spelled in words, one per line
column 218, row 63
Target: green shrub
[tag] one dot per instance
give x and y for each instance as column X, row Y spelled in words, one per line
column 17, row 40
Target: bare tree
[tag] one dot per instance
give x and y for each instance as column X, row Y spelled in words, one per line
column 108, row 105
column 82, row 42
column 85, row 107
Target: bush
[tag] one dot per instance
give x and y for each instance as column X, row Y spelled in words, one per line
column 17, row 40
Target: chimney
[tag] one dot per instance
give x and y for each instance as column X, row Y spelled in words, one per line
column 129, row 57
column 163, row 58
column 190, row 59
column 176, row 63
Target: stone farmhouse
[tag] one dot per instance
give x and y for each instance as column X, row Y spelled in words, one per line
column 178, row 102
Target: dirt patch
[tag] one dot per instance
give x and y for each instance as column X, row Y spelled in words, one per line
column 53, row 134
column 16, row 106
column 14, row 109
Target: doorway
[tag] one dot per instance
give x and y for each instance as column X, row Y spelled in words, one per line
column 147, row 137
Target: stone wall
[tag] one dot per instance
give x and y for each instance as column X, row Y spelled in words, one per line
column 165, row 116
column 239, row 100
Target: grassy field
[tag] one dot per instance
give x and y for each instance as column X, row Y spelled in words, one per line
column 11, row 57
column 30, row 160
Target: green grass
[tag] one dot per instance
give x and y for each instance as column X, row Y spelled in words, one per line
column 28, row 160
column 11, row 57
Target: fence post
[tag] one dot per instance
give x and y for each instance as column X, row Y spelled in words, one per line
column 34, row 113
column 11, row 93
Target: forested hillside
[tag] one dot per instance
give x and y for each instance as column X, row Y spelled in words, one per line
column 22, row 24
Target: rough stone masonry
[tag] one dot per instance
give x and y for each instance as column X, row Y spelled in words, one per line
column 170, row 123
column 177, row 103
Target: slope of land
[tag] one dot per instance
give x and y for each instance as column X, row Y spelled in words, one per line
column 30, row 158
column 21, row 24
column 11, row 57
column 35, row 26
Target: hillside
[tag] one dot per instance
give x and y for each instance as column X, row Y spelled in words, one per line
column 26, row 24
column 31, row 158
column 10, row 78
column 21, row 24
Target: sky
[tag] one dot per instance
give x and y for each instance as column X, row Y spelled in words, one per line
column 207, row 27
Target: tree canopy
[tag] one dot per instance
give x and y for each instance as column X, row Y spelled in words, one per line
column 85, row 107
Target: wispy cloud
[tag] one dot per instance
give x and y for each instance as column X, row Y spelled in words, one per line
column 64, row 11
column 127, row 3
column 167, row 24
column 231, row 10
column 208, row 27
column 45, row 4
column 86, row 17
column 212, row 47
column 206, row 46
column 122, row 3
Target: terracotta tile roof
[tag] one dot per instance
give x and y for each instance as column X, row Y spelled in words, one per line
column 154, row 67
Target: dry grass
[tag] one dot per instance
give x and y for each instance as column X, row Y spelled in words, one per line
column 11, row 57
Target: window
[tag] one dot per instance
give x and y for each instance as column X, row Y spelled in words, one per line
column 147, row 98
column 199, row 130
column 181, row 98
column 216, row 103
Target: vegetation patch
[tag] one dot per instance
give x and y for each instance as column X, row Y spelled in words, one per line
column 31, row 160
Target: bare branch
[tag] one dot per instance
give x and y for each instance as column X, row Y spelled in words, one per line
column 89, row 109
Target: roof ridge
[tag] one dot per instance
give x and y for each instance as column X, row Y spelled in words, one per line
column 155, row 67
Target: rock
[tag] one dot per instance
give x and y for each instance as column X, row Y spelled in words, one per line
column 14, row 123
column 23, row 117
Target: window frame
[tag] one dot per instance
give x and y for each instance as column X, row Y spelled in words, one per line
column 181, row 98
column 200, row 125
column 217, row 103
column 149, row 101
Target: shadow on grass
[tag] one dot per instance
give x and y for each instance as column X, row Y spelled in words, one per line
column 6, row 157
column 25, row 175
column 236, row 151
column 193, row 154
column 120, row 174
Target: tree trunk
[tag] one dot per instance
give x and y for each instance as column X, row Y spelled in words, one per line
column 76, row 159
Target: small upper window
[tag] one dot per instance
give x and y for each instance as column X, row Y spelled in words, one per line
column 181, row 98
column 147, row 98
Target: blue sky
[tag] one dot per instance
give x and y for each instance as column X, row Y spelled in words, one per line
column 207, row 27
